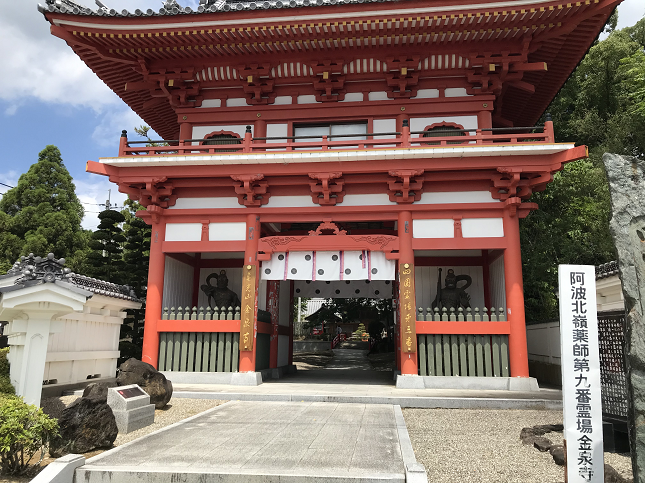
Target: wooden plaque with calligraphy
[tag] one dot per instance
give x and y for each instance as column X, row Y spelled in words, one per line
column 407, row 309
column 248, row 308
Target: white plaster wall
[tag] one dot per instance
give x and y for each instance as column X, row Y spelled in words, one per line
column 378, row 96
column 177, row 284
column 205, row 203
column 497, row 284
column 441, row 197
column 200, row 131
column 278, row 130
column 291, row 202
column 282, row 100
column 183, row 231
column 427, row 93
column 353, row 97
column 384, row 125
column 609, row 294
column 211, row 103
column 236, row 102
column 456, row 92
column 426, row 284
column 543, row 342
column 227, row 231
column 482, row 227
column 234, row 276
column 439, row 228
column 308, row 99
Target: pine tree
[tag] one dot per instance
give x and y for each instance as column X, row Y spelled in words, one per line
column 42, row 213
column 106, row 258
column 135, row 255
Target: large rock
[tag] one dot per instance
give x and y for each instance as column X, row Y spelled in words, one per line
column 626, row 176
column 97, row 390
column 86, row 424
column 148, row 378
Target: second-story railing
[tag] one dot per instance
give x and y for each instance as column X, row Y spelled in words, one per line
column 385, row 140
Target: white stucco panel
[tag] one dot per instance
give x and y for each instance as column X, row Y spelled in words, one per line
column 183, row 232
column 199, row 132
column 420, row 123
column 227, row 231
column 439, row 228
column 205, row 203
column 482, row 227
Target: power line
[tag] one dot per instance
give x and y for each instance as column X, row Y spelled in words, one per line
column 8, row 186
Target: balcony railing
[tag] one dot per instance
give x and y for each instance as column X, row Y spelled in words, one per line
column 385, row 140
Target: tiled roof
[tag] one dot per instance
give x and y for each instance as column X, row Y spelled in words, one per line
column 606, row 270
column 171, row 7
column 35, row 270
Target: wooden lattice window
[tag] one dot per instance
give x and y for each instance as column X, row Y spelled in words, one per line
column 444, row 130
column 221, row 138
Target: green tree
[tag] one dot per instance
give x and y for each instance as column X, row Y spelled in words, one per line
column 135, row 256
column 600, row 106
column 106, row 258
column 42, row 213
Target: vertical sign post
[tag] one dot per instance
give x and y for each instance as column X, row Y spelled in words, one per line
column 248, row 308
column 580, row 374
column 407, row 310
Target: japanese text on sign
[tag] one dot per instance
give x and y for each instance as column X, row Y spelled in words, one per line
column 581, row 374
column 248, row 308
column 408, row 313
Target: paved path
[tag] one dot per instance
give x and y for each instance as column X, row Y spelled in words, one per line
column 348, row 378
column 269, row 442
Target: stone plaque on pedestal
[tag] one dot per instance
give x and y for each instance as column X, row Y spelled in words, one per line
column 131, row 407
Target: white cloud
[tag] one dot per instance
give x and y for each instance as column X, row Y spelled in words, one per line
column 113, row 122
column 630, row 12
column 92, row 191
column 8, row 178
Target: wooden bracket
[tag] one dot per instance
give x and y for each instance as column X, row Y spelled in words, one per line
column 258, row 86
column 328, row 189
column 404, row 189
column 252, row 191
column 329, row 83
column 402, row 78
column 514, row 182
column 327, row 225
column 150, row 192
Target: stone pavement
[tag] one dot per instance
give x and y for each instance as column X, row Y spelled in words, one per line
column 268, row 442
column 348, row 378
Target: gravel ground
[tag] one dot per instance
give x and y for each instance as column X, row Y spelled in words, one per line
column 470, row 445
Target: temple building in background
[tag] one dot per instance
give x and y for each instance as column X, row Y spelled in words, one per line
column 336, row 148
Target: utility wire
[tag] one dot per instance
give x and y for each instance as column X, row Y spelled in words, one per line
column 8, row 186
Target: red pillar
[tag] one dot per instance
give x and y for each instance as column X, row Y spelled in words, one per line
column 154, row 297
column 247, row 358
column 273, row 299
column 408, row 362
column 515, row 295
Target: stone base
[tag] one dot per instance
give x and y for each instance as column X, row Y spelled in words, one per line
column 278, row 372
column 128, row 421
column 231, row 378
column 524, row 384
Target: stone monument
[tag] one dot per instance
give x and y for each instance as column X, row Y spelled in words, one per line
column 220, row 294
column 626, row 176
column 451, row 296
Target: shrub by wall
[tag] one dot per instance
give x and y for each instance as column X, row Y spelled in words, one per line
column 5, row 381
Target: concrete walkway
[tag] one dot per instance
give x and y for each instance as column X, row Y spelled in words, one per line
column 284, row 442
column 348, row 378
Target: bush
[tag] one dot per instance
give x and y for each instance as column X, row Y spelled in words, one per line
column 5, row 380
column 24, row 430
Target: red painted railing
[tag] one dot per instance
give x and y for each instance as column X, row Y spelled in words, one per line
column 403, row 139
column 338, row 339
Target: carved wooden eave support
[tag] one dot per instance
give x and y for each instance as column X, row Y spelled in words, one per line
column 327, row 190
column 177, row 86
column 148, row 191
column 329, row 82
column 252, row 191
column 258, row 86
column 404, row 188
column 401, row 77
column 515, row 182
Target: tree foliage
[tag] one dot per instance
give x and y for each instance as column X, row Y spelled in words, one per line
column 106, row 257
column 24, row 431
column 42, row 213
column 601, row 106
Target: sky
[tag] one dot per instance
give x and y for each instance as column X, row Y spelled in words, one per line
column 48, row 96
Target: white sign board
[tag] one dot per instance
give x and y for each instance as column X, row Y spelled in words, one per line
column 581, row 374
